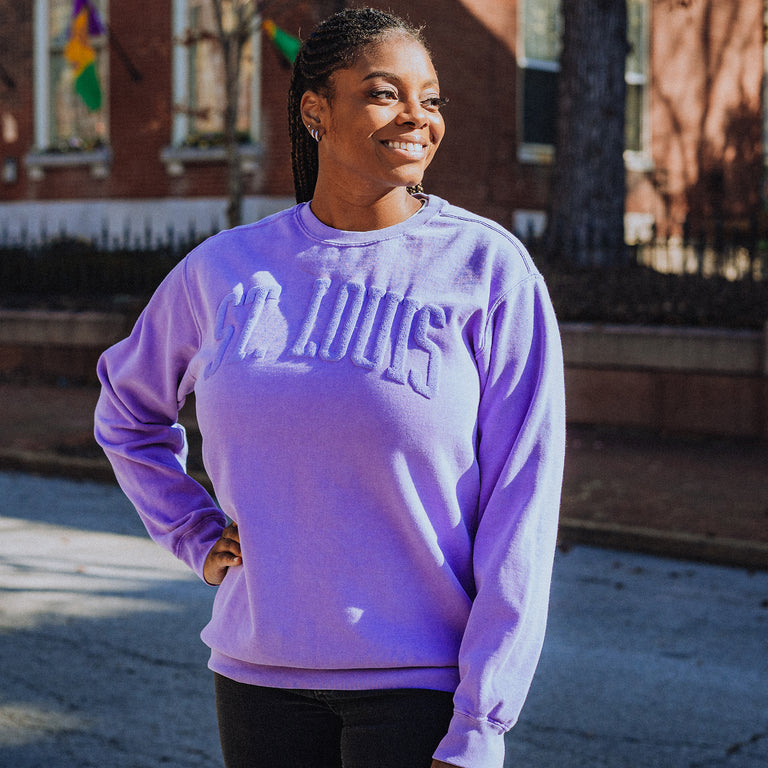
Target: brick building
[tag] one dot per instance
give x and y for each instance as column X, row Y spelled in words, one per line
column 149, row 159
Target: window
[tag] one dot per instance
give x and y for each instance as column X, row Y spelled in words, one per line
column 539, row 64
column 540, row 41
column 198, row 88
column 63, row 121
column 636, row 127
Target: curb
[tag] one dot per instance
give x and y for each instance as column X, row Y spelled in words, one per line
column 738, row 553
column 716, row 550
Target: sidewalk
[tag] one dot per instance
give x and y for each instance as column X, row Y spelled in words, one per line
column 103, row 663
column 697, row 498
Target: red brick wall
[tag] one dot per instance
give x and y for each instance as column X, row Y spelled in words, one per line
column 705, row 110
column 16, row 106
column 476, row 166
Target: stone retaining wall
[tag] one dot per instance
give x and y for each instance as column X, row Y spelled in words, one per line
column 679, row 380
column 686, row 380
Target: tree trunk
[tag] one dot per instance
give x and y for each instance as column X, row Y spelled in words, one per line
column 586, row 217
column 232, row 52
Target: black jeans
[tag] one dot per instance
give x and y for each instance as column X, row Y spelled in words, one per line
column 279, row 728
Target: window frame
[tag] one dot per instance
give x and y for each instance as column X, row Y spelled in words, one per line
column 43, row 155
column 528, row 151
column 641, row 159
column 179, row 154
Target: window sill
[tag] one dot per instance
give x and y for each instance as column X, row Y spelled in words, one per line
column 99, row 161
column 538, row 154
column 638, row 161
column 176, row 159
column 544, row 154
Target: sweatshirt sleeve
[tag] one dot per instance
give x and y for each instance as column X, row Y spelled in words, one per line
column 145, row 379
column 521, row 446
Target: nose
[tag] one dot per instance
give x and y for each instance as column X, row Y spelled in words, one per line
column 413, row 113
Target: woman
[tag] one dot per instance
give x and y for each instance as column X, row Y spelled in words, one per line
column 379, row 386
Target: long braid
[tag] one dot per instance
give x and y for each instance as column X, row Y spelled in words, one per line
column 333, row 45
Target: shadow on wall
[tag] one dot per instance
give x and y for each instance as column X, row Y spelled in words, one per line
column 707, row 114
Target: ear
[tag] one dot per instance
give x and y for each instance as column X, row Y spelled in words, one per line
column 313, row 108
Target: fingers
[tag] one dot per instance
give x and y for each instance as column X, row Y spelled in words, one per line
column 224, row 554
column 231, row 532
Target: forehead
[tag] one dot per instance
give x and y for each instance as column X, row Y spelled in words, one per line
column 397, row 53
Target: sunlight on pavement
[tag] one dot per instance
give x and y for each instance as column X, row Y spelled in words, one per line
column 75, row 573
column 20, row 725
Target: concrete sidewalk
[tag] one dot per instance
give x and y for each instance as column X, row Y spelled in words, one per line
column 647, row 662
column 698, row 498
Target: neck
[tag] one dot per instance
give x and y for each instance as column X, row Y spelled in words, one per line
column 359, row 212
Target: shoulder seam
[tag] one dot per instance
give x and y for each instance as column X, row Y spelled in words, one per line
column 494, row 227
column 534, row 277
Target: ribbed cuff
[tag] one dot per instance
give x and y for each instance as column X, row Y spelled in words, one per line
column 194, row 547
column 472, row 743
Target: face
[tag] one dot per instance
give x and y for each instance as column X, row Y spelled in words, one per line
column 382, row 124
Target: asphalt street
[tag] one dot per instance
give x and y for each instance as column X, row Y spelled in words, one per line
column 648, row 662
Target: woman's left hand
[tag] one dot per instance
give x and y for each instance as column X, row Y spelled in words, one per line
column 441, row 764
column 224, row 554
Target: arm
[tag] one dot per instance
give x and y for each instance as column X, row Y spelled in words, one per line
column 145, row 379
column 521, row 438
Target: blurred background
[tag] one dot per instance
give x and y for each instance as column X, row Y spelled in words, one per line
column 626, row 144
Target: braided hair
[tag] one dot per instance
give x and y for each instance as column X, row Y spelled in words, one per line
column 333, row 45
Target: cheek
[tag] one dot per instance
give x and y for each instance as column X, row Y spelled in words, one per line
column 438, row 125
column 438, row 131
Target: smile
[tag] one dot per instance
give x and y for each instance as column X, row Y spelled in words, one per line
column 407, row 146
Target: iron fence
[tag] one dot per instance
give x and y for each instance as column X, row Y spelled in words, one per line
column 673, row 282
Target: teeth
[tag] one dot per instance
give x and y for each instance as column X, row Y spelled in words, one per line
column 408, row 146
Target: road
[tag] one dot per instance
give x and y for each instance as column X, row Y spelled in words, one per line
column 648, row 662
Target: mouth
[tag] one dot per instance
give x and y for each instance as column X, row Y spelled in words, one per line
column 411, row 149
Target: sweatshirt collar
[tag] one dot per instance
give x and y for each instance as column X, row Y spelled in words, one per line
column 316, row 230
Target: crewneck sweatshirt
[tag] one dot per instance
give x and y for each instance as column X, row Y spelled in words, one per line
column 383, row 416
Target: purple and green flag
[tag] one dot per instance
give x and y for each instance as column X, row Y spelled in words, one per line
column 79, row 52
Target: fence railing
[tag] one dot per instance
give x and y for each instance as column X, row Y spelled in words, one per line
column 732, row 259
column 674, row 282
column 58, row 270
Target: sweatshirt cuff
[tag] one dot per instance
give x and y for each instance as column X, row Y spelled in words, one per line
column 472, row 743
column 194, row 547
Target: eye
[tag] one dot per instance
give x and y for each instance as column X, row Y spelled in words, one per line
column 434, row 102
column 383, row 93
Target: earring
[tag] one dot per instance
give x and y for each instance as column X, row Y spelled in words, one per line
column 314, row 133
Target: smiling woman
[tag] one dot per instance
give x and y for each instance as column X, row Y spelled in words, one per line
column 355, row 72
column 378, row 127
column 379, row 385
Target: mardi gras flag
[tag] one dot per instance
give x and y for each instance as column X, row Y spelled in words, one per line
column 286, row 44
column 78, row 51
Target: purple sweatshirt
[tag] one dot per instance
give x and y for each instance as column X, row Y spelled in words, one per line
column 383, row 416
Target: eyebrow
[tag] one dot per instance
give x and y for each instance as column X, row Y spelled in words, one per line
column 393, row 76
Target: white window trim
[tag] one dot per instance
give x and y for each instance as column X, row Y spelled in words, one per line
column 543, row 64
column 642, row 160
column 40, row 158
column 42, row 80
column 176, row 156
